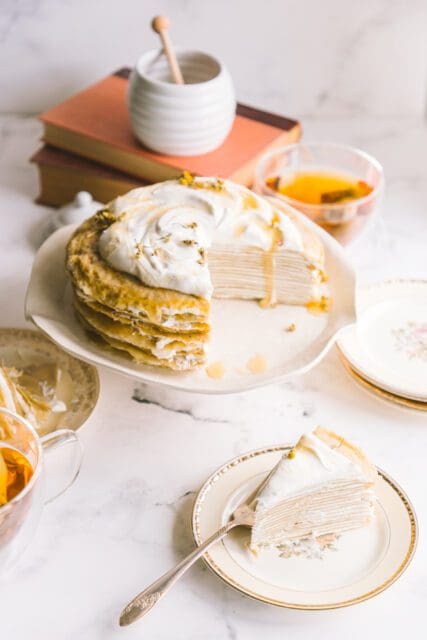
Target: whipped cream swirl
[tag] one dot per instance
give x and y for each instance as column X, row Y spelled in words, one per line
column 314, row 465
column 164, row 231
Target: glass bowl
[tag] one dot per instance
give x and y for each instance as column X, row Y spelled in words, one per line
column 344, row 220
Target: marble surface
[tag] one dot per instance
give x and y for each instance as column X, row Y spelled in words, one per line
column 127, row 518
column 299, row 57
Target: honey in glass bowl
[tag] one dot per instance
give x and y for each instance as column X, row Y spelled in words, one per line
column 320, row 187
column 336, row 186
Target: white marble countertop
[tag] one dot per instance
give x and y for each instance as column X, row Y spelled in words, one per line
column 127, row 518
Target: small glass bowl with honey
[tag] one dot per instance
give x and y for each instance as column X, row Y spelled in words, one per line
column 336, row 186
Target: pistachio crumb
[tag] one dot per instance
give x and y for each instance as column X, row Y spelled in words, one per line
column 105, row 218
column 202, row 253
column 189, row 180
column 139, row 250
column 186, row 178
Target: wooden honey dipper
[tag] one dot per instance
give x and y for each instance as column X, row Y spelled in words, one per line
column 160, row 25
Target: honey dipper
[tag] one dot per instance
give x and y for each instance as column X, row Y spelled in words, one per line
column 160, row 25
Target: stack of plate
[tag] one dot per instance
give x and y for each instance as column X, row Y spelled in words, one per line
column 386, row 351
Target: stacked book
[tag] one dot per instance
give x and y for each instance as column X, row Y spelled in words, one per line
column 89, row 145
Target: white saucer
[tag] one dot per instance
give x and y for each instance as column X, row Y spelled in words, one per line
column 79, row 387
column 241, row 330
column 388, row 346
column 365, row 563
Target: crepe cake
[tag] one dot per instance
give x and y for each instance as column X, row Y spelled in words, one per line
column 320, row 489
column 145, row 269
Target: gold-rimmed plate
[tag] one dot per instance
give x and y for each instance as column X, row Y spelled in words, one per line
column 79, row 381
column 382, row 394
column 366, row 561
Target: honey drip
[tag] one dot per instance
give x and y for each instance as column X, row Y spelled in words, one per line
column 317, row 307
column 257, row 364
column 318, row 273
column 216, row 370
column 15, row 473
column 269, row 266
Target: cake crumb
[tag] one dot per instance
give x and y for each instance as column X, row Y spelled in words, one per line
column 291, row 327
column 216, row 370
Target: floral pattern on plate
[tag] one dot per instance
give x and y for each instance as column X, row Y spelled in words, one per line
column 411, row 338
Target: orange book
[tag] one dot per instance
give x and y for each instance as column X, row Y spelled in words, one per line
column 95, row 124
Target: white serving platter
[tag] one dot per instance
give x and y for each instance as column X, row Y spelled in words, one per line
column 241, row 330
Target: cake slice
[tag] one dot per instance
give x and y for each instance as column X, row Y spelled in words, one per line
column 320, row 489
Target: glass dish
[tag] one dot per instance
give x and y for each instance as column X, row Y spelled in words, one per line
column 344, row 220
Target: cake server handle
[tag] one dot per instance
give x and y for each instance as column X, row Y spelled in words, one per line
column 146, row 600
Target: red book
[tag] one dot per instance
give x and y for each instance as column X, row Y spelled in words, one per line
column 63, row 174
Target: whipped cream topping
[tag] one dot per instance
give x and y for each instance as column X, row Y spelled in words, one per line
column 314, row 465
column 164, row 231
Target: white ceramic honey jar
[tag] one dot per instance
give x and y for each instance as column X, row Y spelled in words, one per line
column 181, row 119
